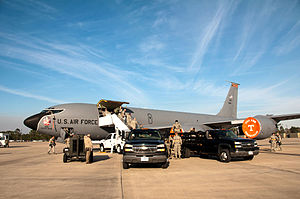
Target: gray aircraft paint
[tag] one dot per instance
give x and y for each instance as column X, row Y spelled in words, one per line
column 83, row 118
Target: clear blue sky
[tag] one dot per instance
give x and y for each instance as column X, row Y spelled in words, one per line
column 172, row 55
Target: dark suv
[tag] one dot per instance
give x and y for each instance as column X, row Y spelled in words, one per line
column 221, row 143
column 144, row 147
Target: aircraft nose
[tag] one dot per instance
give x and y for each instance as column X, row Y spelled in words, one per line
column 32, row 121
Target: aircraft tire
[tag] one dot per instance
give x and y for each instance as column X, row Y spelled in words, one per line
column 102, row 148
column 65, row 158
column 224, row 155
column 187, row 153
column 125, row 165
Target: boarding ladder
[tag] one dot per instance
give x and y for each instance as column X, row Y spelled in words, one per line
column 112, row 119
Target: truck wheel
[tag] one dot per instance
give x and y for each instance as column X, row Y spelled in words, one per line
column 119, row 150
column 65, row 158
column 224, row 155
column 125, row 165
column 102, row 148
column 165, row 165
column 187, row 153
column 249, row 157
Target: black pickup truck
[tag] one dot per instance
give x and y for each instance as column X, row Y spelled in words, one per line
column 144, row 147
column 221, row 143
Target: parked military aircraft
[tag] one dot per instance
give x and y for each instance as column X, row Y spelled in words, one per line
column 87, row 118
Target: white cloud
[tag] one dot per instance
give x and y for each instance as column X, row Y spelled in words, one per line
column 73, row 60
column 290, row 41
column 29, row 95
column 208, row 35
column 151, row 44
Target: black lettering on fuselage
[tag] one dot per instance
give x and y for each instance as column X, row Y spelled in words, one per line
column 58, row 121
column 76, row 121
column 65, row 121
column 86, row 122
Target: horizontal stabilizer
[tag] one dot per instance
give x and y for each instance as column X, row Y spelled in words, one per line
column 279, row 118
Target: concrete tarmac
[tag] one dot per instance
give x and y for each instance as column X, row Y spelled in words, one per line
column 27, row 171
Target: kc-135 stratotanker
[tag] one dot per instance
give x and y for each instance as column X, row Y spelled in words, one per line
column 83, row 118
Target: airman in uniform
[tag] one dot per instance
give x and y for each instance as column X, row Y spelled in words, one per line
column 123, row 115
column 192, row 130
column 278, row 142
column 128, row 118
column 88, row 147
column 176, row 127
column 106, row 112
column 177, row 142
column 52, row 145
column 273, row 140
column 134, row 124
column 168, row 143
column 67, row 140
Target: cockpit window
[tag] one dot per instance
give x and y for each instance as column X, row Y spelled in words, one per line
column 51, row 111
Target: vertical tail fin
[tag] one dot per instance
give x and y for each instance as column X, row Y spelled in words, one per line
column 229, row 108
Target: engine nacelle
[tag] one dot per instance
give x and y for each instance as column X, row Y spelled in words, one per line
column 259, row 127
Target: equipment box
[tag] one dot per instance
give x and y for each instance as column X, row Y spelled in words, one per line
column 76, row 151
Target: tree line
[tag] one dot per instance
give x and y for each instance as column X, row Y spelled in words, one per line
column 32, row 135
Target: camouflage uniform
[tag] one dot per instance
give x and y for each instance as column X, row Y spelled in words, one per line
column 168, row 142
column 134, row 124
column 273, row 140
column 128, row 118
column 177, row 141
column 52, row 145
column 88, row 148
column 278, row 142
column 177, row 127
column 67, row 141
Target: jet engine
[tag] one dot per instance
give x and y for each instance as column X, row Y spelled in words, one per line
column 259, row 127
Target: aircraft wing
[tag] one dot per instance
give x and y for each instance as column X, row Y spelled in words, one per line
column 279, row 118
column 224, row 124
column 215, row 125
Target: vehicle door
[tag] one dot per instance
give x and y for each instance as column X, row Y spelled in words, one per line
column 113, row 140
column 107, row 141
column 210, row 145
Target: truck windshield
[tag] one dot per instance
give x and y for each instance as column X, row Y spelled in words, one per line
column 153, row 135
column 227, row 133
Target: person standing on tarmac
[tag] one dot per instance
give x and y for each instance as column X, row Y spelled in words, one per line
column 88, row 147
column 278, row 142
column 168, row 143
column 177, row 142
column 52, row 145
column 273, row 140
